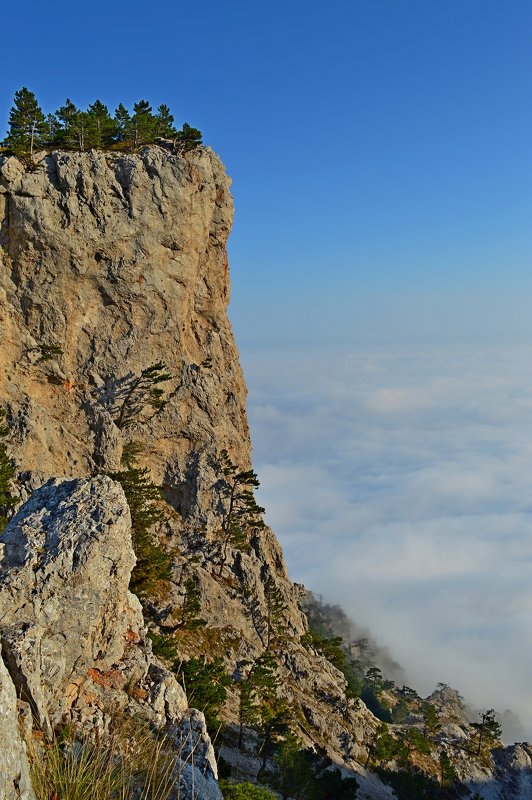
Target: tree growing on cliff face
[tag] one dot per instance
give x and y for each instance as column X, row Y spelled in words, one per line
column 448, row 773
column 241, row 515
column 205, row 683
column 487, row 732
column 276, row 626
column 143, row 497
column 27, row 124
column 7, row 475
column 141, row 391
column 191, row 605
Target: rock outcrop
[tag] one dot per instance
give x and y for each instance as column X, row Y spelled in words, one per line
column 72, row 635
column 120, row 261
column 14, row 766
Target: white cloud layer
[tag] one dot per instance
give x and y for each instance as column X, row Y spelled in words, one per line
column 400, row 485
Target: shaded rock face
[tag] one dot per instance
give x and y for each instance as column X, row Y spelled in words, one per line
column 72, row 635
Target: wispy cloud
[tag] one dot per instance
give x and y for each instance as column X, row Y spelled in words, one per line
column 400, row 485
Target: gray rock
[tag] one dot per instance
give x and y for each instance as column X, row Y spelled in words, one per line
column 64, row 604
column 14, row 766
column 196, row 772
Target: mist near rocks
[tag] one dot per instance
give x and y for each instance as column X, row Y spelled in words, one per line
column 399, row 482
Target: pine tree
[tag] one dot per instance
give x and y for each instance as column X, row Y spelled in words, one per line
column 205, row 683
column 53, row 127
column 276, row 626
column 7, row 474
column 143, row 496
column 431, row 722
column 187, row 139
column 242, row 514
column 191, row 605
column 164, row 122
column 488, row 731
column 448, row 773
column 142, row 126
column 74, row 126
column 258, row 695
column 141, row 391
column 101, row 128
column 27, row 124
column 122, row 119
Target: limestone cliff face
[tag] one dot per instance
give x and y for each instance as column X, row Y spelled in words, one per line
column 121, row 262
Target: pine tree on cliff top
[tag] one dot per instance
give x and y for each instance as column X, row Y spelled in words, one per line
column 27, row 124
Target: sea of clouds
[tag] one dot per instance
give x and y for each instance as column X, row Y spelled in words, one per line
column 399, row 482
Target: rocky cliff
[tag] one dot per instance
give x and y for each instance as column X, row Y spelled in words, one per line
column 112, row 264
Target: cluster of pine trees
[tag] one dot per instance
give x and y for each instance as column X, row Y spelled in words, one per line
column 72, row 128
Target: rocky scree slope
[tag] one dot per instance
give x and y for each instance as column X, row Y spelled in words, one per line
column 110, row 264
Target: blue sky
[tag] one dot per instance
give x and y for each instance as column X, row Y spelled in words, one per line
column 377, row 147
column 381, row 155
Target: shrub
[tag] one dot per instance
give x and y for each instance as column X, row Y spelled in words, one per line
column 244, row 791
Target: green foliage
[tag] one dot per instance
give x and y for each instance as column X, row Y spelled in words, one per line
column 276, row 626
column 384, row 747
column 241, row 516
column 78, row 129
column 307, row 775
column 102, row 129
column 487, row 732
column 409, row 695
column 123, row 120
column 8, row 500
column 244, row 791
column 49, row 351
column 410, row 784
column 191, row 605
column 187, row 138
column 143, row 496
column 412, row 740
column 141, row 391
column 259, row 705
column 163, row 645
column 448, row 773
column 164, row 125
column 431, row 721
column 27, row 124
column 205, row 683
column 73, row 127
column 142, row 127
